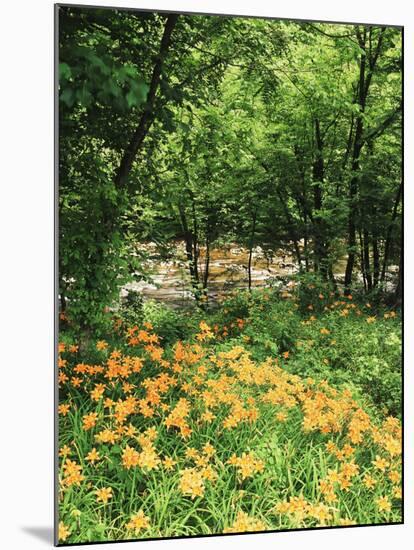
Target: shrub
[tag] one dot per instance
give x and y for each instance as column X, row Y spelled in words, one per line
column 169, row 324
column 131, row 310
column 312, row 292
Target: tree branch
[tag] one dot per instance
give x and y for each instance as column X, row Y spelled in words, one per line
column 147, row 116
column 382, row 126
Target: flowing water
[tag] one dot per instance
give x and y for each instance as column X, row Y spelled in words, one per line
column 228, row 270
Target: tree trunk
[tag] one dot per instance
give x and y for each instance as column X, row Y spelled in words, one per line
column 251, row 244
column 353, row 193
column 147, row 116
column 361, row 253
column 332, row 277
column 291, row 227
column 353, row 186
column 206, row 264
column 188, row 239
column 400, row 282
column 388, row 239
column 306, row 252
column 62, row 303
column 367, row 263
column 367, row 63
column 376, row 260
column 320, row 252
column 196, row 248
column 301, row 199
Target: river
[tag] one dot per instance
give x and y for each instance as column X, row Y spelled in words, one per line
column 170, row 281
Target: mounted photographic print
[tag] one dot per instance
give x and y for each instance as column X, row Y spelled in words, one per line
column 229, row 280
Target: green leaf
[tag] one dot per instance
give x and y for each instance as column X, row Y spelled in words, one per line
column 65, row 72
column 68, row 97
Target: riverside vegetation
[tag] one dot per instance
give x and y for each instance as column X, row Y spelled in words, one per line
column 257, row 409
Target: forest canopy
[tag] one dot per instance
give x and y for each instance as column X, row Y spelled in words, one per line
column 213, row 129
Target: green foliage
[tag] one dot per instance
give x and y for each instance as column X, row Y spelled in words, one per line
column 94, row 257
column 249, row 139
column 92, row 77
column 312, row 292
column 131, row 311
column 360, row 348
column 169, row 324
column 236, row 306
